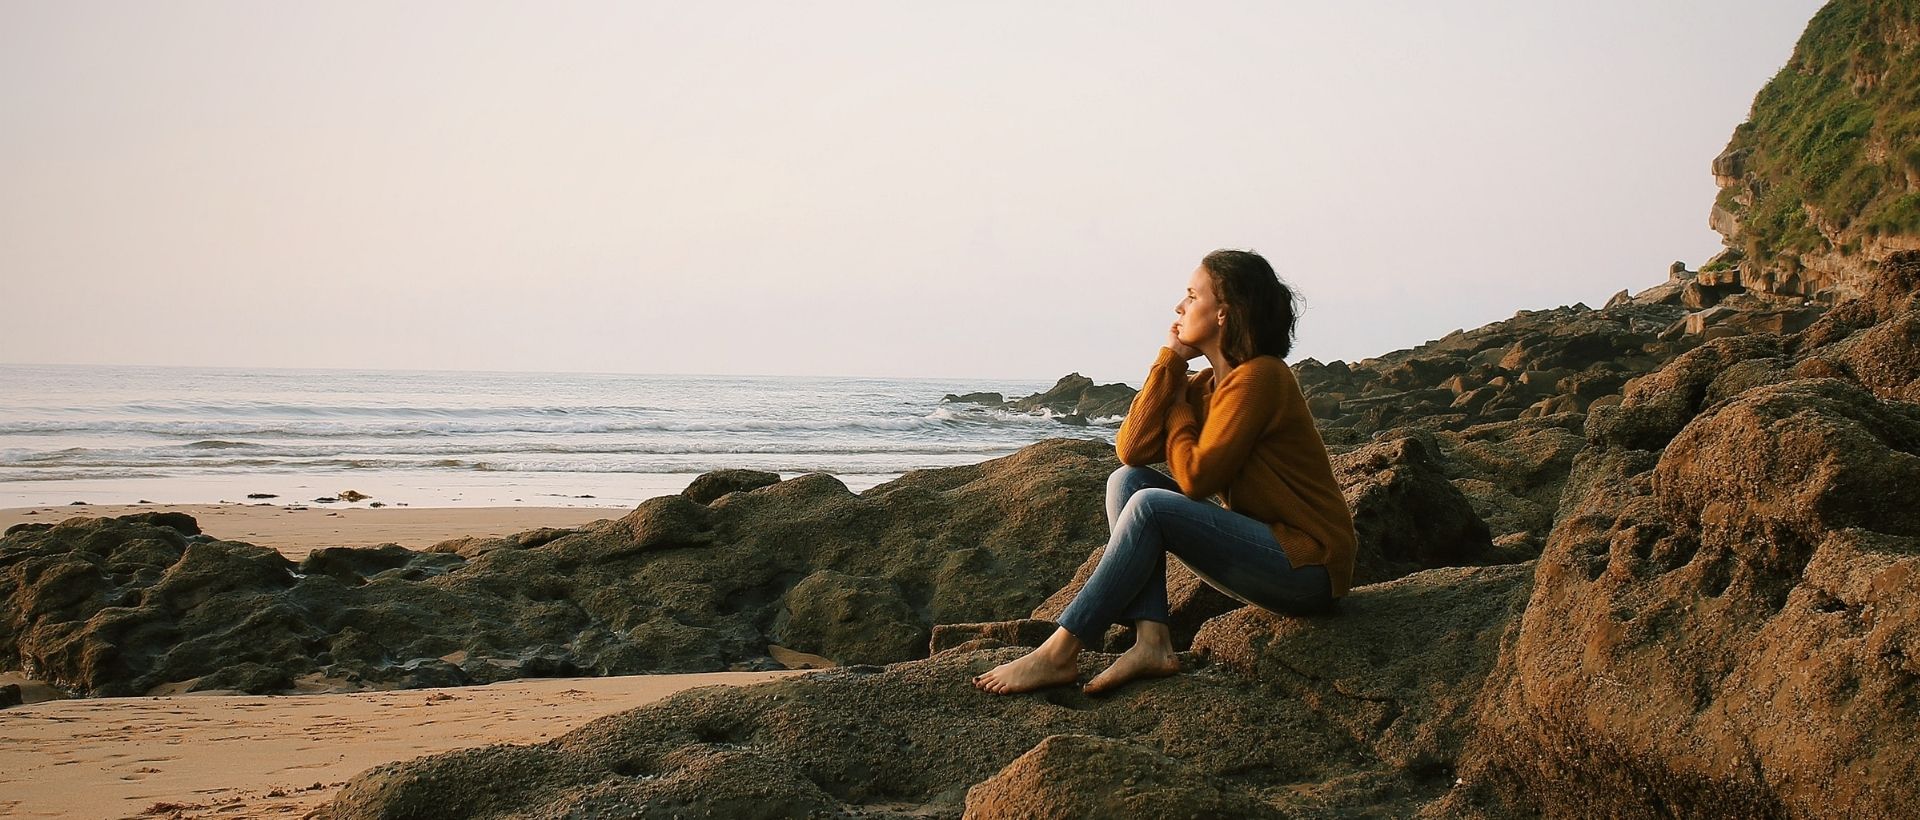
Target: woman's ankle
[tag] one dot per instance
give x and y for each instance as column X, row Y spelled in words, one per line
column 1152, row 636
column 1062, row 646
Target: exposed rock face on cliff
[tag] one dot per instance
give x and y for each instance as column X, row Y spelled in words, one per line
column 118, row 606
column 1822, row 182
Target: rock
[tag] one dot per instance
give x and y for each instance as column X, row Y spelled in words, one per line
column 1884, row 358
column 10, row 695
column 352, row 495
column 262, row 495
column 988, row 399
column 1407, row 514
column 849, row 619
column 1403, row 665
column 712, row 485
column 1022, row 632
column 1074, row 400
column 1699, row 640
column 1073, row 775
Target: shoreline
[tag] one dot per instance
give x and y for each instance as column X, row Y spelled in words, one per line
column 295, row 530
column 454, row 489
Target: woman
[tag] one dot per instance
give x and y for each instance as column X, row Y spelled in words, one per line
column 1283, row 541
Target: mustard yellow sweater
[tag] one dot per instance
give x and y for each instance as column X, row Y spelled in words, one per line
column 1250, row 438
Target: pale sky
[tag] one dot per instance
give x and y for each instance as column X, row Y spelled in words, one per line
column 976, row 190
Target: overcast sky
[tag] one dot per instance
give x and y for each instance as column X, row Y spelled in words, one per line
column 980, row 190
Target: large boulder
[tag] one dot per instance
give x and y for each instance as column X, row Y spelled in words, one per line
column 848, row 619
column 1727, row 627
column 1406, row 513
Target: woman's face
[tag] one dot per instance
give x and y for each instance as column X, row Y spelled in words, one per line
column 1201, row 315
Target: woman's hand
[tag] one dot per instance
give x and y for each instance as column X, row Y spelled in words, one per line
column 1184, row 351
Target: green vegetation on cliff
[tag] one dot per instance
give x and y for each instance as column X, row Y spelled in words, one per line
column 1833, row 141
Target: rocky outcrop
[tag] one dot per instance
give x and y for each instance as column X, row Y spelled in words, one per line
column 1406, row 513
column 1724, row 622
column 119, row 606
column 1358, row 713
column 1074, row 399
column 1538, row 363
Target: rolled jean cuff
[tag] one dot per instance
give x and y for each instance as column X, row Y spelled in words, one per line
column 1079, row 628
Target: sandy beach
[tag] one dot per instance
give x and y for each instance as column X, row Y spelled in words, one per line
column 295, row 530
column 248, row 756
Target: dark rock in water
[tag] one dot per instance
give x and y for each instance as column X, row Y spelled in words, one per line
column 76, row 503
column 1073, row 400
column 712, row 485
column 352, row 495
column 325, row 499
column 989, row 399
column 118, row 606
column 262, row 495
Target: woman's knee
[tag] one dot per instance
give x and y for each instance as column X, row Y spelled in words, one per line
column 1124, row 482
column 1148, row 501
column 1127, row 476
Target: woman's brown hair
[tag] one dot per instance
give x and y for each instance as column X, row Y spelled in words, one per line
column 1260, row 307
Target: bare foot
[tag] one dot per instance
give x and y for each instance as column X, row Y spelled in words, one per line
column 1134, row 663
column 1034, row 670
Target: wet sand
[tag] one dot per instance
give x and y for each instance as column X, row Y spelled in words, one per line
column 295, row 530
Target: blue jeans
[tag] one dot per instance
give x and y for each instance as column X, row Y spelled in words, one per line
column 1149, row 517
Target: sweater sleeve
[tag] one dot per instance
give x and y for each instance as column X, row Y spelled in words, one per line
column 1142, row 439
column 1204, row 461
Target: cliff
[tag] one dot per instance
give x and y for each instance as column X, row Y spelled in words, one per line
column 1822, row 182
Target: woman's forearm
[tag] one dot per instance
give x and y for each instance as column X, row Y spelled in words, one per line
column 1142, row 439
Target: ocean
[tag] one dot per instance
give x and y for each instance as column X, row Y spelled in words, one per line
column 174, row 435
